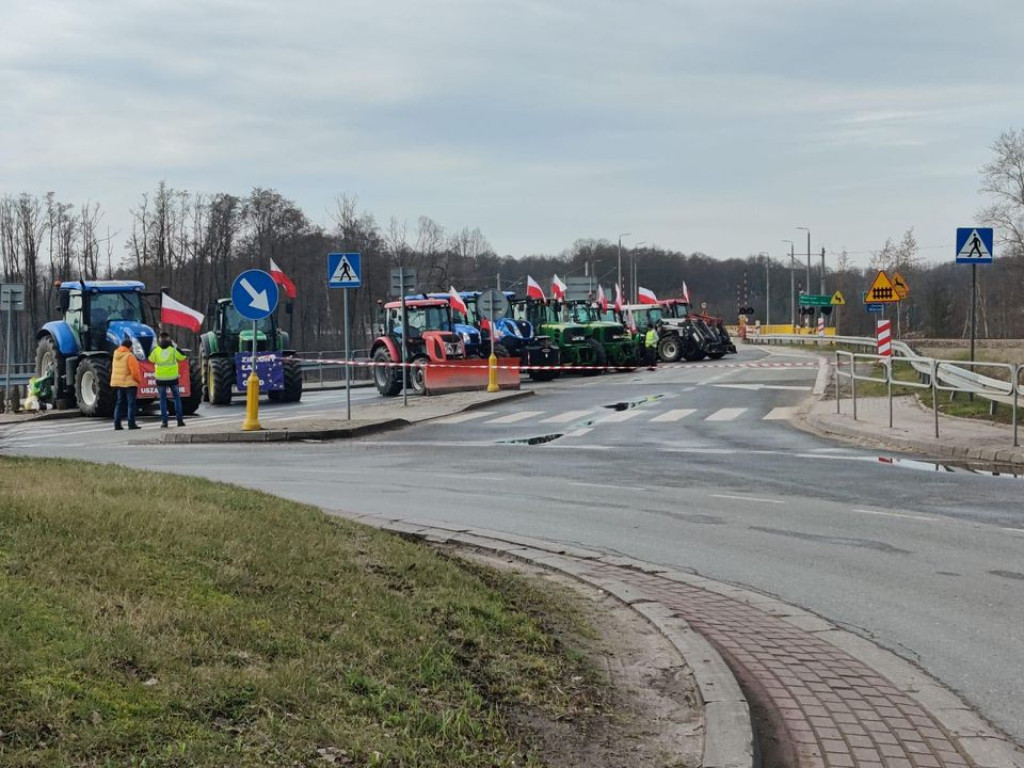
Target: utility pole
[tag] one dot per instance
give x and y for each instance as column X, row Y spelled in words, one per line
column 792, row 283
column 767, row 290
column 624, row 234
column 807, row 284
column 822, row 271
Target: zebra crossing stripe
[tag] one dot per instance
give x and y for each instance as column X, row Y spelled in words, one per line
column 674, row 415
column 562, row 418
column 776, row 414
column 621, row 416
column 512, row 418
column 725, row 414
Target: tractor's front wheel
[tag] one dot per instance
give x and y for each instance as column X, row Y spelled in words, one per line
column 670, row 349
column 220, row 378
column 49, row 360
column 600, row 358
column 92, row 387
column 388, row 384
column 418, row 375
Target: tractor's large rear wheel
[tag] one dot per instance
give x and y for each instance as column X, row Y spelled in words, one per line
column 384, row 374
column 92, row 387
column 292, row 392
column 220, row 380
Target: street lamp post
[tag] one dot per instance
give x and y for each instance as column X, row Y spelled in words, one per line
column 767, row 287
column 624, row 234
column 634, row 279
column 792, row 283
column 807, row 285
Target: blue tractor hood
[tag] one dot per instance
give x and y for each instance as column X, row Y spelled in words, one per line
column 134, row 330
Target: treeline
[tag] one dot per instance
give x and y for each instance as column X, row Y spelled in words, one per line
column 194, row 244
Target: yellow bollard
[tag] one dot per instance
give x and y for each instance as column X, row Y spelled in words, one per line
column 252, row 404
column 492, row 373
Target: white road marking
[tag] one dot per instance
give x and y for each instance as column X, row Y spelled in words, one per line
column 512, row 418
column 745, row 498
column 675, row 414
column 725, row 414
column 756, row 387
column 895, row 514
column 621, row 416
column 578, row 433
column 780, row 413
column 461, row 417
column 562, row 418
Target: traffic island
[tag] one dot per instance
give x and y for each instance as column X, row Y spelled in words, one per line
column 238, row 628
column 367, row 420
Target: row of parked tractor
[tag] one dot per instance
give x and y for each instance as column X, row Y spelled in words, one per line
column 73, row 353
column 547, row 338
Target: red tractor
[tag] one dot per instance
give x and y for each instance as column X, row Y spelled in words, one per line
column 428, row 336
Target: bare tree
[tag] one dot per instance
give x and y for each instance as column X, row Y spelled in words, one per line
column 1003, row 180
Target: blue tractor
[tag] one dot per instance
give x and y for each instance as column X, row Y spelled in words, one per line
column 75, row 352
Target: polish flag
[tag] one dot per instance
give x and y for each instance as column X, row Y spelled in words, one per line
column 618, row 298
column 283, row 280
column 557, row 288
column 456, row 303
column 602, row 300
column 646, row 296
column 686, row 293
column 534, row 291
column 630, row 321
column 175, row 313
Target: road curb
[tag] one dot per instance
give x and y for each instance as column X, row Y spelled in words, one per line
column 986, row 746
column 321, row 435
column 728, row 731
column 936, row 448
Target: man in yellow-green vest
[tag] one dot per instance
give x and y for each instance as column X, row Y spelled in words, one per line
column 651, row 346
column 165, row 358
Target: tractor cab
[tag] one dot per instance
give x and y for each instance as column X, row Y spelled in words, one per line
column 229, row 325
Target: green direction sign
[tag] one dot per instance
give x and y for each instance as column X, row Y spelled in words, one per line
column 815, row 300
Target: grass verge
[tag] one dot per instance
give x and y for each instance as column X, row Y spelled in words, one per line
column 155, row 620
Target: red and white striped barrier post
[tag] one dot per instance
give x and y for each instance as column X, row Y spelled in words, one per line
column 821, row 326
column 884, row 337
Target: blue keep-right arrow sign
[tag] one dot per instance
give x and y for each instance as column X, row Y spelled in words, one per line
column 254, row 294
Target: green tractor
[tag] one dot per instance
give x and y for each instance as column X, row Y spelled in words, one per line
column 226, row 357
column 618, row 347
column 574, row 346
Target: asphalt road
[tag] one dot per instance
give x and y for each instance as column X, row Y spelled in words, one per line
column 697, row 468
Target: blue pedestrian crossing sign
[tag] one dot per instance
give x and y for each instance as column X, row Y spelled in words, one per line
column 974, row 245
column 254, row 294
column 344, row 270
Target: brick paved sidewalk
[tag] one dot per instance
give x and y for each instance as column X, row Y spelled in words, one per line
column 838, row 701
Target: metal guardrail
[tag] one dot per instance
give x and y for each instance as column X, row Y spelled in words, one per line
column 314, row 369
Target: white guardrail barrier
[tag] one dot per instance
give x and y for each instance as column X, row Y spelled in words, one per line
column 995, row 382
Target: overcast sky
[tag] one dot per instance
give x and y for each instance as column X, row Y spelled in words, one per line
column 711, row 125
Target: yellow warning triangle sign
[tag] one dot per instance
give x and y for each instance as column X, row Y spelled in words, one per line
column 901, row 285
column 838, row 300
column 882, row 291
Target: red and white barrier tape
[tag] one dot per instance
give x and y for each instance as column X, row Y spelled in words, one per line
column 484, row 366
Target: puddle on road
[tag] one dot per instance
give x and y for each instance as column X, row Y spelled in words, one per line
column 982, row 470
column 538, row 440
column 625, row 405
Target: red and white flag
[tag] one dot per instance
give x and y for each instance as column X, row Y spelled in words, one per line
column 602, row 300
column 646, row 296
column 630, row 321
column 175, row 313
column 283, row 280
column 618, row 297
column 686, row 293
column 557, row 289
column 456, row 303
column 534, row 291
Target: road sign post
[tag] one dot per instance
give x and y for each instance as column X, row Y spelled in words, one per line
column 403, row 281
column 345, row 270
column 254, row 296
column 974, row 247
column 492, row 305
column 12, row 299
